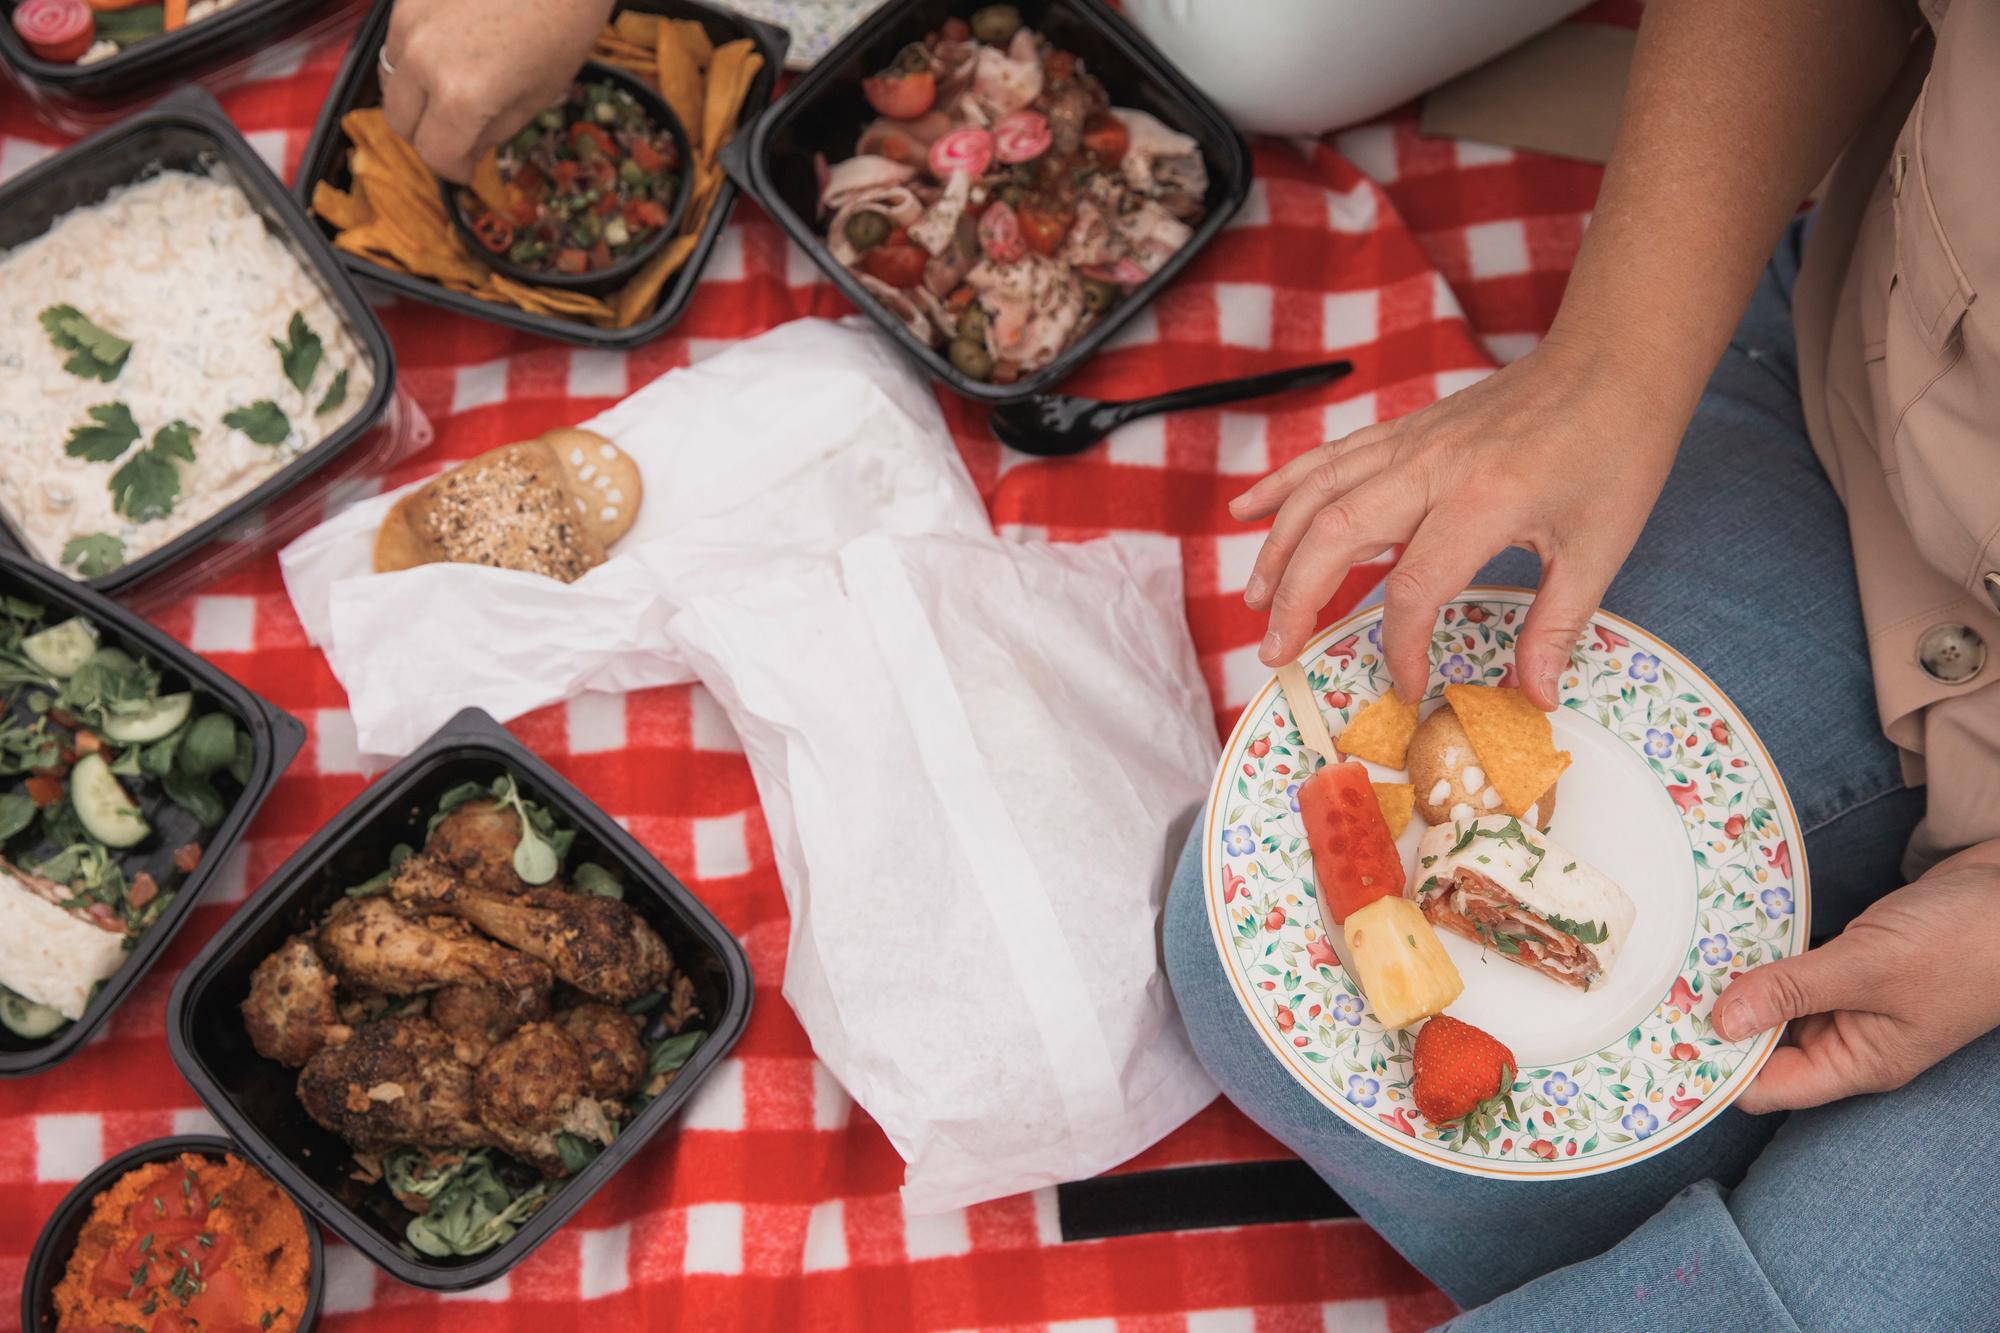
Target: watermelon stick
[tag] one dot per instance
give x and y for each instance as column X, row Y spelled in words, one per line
column 1312, row 730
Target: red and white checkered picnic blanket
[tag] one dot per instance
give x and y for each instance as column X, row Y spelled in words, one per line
column 772, row 1203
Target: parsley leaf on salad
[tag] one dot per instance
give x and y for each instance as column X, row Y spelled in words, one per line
column 95, row 555
column 111, row 436
column 97, row 354
column 300, row 353
column 336, row 394
column 262, row 421
column 149, row 483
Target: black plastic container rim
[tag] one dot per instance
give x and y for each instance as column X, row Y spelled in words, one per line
column 194, row 109
column 276, row 738
column 470, row 729
column 328, row 140
column 602, row 280
column 746, row 158
column 38, row 1279
column 147, row 64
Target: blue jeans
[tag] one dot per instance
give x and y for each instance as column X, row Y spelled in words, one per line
column 1871, row 1214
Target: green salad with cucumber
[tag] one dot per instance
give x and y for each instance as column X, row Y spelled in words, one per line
column 111, row 779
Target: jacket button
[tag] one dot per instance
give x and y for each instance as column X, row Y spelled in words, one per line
column 1951, row 654
column 1993, row 587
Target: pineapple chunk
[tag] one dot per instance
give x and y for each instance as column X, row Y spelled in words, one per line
column 1398, row 962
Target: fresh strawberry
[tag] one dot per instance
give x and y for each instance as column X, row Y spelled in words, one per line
column 1456, row 1069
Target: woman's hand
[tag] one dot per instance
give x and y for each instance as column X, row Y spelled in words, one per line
column 469, row 73
column 1563, row 452
column 1909, row 981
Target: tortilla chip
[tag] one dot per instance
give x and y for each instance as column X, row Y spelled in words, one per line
column 341, row 209
column 369, row 128
column 706, row 182
column 1398, row 801
column 635, row 300
column 729, row 75
column 690, row 34
column 1380, row 732
column 487, row 185
column 678, row 78
column 639, row 28
column 1513, row 740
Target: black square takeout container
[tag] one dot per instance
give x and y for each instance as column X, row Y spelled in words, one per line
column 359, row 84
column 274, row 735
column 254, row 1098
column 197, row 50
column 825, row 113
column 189, row 132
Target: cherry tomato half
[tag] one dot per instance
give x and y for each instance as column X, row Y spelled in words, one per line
column 901, row 95
column 898, row 264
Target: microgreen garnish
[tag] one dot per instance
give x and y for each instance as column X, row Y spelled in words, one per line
column 149, row 483
column 1586, row 932
column 262, row 421
column 95, row 354
column 300, row 353
column 95, row 555
column 111, row 436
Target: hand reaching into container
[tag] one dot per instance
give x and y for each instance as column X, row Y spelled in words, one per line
column 459, row 76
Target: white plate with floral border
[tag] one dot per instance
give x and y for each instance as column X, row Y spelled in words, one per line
column 1670, row 793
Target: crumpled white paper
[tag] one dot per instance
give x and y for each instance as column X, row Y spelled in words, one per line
column 969, row 754
column 970, row 751
column 792, row 442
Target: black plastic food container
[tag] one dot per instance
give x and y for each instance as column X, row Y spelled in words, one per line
column 604, row 280
column 359, row 84
column 255, row 1098
column 275, row 735
column 189, row 132
column 171, row 57
column 825, row 113
column 61, row 1232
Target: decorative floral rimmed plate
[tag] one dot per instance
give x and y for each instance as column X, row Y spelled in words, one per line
column 1670, row 794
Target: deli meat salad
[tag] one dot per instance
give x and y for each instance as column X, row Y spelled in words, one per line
column 1000, row 204
column 162, row 353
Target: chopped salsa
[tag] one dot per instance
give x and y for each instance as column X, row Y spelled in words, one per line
column 582, row 187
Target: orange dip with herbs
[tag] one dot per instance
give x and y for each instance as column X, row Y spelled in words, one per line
column 190, row 1245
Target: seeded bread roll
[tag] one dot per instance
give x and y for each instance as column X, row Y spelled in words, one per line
column 1446, row 776
column 549, row 506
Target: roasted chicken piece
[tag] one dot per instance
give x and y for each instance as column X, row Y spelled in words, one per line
column 534, row 1086
column 476, row 842
column 369, row 942
column 291, row 1011
column 613, row 1056
column 477, row 1018
column 598, row 945
column 395, row 1082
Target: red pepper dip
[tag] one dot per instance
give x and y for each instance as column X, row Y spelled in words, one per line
column 192, row 1244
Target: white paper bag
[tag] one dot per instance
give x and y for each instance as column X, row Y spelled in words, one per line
column 969, row 753
column 785, row 445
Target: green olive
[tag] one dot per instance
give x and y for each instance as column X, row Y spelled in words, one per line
column 866, row 230
column 1098, row 296
column 972, row 322
column 914, row 60
column 971, row 358
column 996, row 24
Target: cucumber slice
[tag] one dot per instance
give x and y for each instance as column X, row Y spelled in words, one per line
column 157, row 721
column 61, row 649
column 108, row 814
column 116, row 659
column 25, row 1018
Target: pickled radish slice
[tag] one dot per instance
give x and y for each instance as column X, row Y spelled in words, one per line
column 57, row 30
column 968, row 151
column 1000, row 234
column 1021, row 137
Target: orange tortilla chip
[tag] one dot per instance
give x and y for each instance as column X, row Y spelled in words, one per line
column 1398, row 801
column 641, row 29
column 678, row 76
column 690, row 34
column 341, row 209
column 636, row 299
column 487, row 184
column 1380, row 732
column 1513, row 740
column 729, row 75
